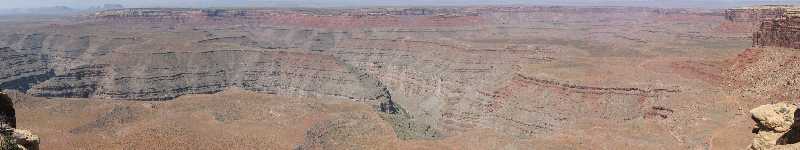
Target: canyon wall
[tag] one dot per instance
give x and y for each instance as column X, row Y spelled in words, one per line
column 160, row 76
column 29, row 63
column 776, row 25
column 757, row 14
column 782, row 32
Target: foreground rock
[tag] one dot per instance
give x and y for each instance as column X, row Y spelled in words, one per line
column 775, row 127
column 12, row 138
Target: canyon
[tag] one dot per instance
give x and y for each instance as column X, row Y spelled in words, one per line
column 483, row 77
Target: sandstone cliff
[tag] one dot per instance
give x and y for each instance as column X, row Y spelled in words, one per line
column 11, row 138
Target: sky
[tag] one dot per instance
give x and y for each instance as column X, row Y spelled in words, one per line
column 365, row 3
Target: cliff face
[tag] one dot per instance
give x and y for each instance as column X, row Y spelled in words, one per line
column 29, row 63
column 159, row 76
column 769, row 70
column 11, row 138
column 749, row 19
column 777, row 25
column 758, row 13
column 782, row 32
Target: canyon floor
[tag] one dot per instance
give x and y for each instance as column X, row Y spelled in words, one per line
column 629, row 78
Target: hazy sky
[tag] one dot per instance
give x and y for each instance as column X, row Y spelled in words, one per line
column 362, row 3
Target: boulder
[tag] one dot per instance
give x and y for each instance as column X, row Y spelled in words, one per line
column 26, row 139
column 776, row 127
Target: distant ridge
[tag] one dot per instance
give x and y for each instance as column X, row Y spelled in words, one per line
column 55, row 10
column 714, row 4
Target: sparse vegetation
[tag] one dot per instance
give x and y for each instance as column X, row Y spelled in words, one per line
column 8, row 143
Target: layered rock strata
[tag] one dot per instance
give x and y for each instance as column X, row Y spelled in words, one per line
column 782, row 32
column 338, row 18
column 757, row 14
column 29, row 65
column 349, row 18
column 527, row 75
column 749, row 19
column 777, row 25
column 160, row 76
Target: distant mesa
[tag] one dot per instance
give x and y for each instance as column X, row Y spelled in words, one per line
column 351, row 18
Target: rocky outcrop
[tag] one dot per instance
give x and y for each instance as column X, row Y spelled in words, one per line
column 11, row 138
column 776, row 127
